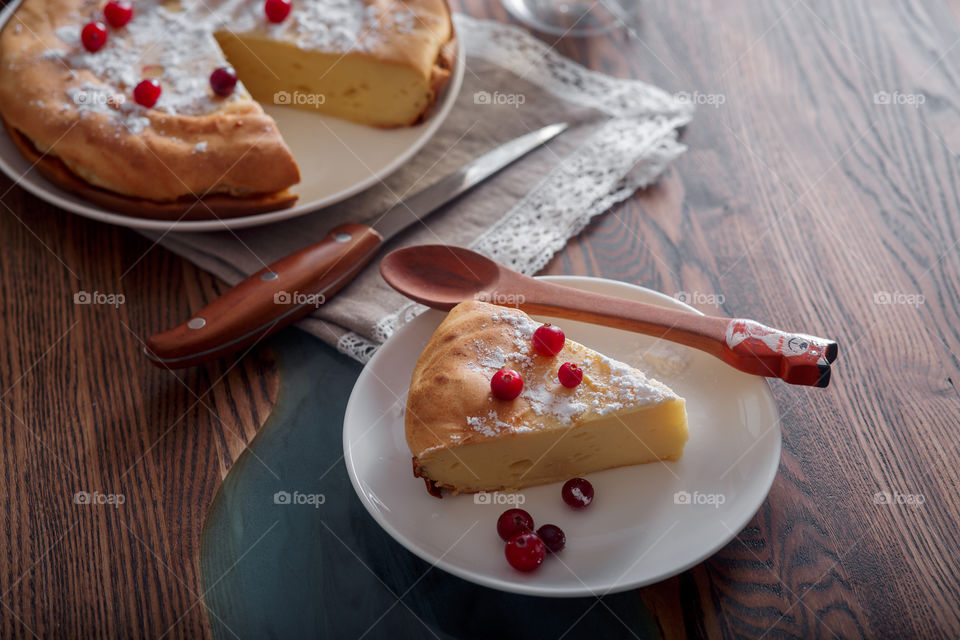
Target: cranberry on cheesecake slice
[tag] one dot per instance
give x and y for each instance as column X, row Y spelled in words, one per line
column 466, row 436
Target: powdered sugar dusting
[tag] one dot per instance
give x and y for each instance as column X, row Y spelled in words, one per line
column 617, row 385
column 491, row 425
column 491, row 359
column 89, row 98
column 627, row 387
column 523, row 327
column 53, row 54
column 176, row 46
column 550, row 398
column 135, row 124
column 662, row 360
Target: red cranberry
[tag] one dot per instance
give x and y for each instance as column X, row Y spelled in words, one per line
column 577, row 492
column 223, row 80
column 570, row 375
column 513, row 521
column 147, row 93
column 553, row 537
column 277, row 10
column 93, row 36
column 525, row 551
column 118, row 13
column 506, row 384
column 548, row 340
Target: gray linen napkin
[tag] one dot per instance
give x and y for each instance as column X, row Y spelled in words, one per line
column 622, row 136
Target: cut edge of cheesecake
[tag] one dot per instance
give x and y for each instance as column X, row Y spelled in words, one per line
column 351, row 89
column 554, row 455
column 465, row 440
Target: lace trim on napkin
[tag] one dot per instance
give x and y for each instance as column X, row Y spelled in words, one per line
column 625, row 154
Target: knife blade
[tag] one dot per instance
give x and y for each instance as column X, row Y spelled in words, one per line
column 287, row 290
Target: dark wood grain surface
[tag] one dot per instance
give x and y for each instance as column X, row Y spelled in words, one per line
column 816, row 195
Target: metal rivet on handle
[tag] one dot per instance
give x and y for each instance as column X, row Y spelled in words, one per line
column 197, row 323
column 343, row 236
column 270, row 275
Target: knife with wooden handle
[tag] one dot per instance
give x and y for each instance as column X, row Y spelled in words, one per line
column 291, row 288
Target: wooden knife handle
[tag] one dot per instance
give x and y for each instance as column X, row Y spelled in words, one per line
column 795, row 357
column 269, row 300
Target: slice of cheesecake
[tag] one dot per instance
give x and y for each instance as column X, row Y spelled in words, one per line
column 464, row 439
column 377, row 62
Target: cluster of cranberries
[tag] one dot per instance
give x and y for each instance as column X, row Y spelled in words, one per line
column 118, row 13
column 526, row 547
column 548, row 341
column 94, row 34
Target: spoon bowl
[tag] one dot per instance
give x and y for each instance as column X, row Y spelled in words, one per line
column 440, row 276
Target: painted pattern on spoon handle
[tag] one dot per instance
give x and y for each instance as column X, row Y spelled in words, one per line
column 797, row 358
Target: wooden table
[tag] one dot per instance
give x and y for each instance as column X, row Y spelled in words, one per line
column 820, row 192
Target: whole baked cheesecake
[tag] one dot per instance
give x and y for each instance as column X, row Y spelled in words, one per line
column 72, row 110
column 464, row 439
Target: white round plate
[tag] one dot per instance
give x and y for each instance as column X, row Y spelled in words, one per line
column 337, row 159
column 647, row 522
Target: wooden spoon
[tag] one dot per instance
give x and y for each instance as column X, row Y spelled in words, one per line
column 442, row 276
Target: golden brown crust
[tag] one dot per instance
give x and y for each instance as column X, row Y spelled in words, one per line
column 440, row 75
column 442, row 66
column 186, row 208
column 429, row 419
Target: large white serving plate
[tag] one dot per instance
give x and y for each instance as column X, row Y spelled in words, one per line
column 640, row 528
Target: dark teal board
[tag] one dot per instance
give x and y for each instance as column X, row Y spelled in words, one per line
column 298, row 571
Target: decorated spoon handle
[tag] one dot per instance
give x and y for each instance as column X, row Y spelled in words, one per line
column 796, row 357
column 743, row 344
